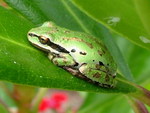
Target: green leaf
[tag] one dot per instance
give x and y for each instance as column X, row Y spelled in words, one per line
column 103, row 103
column 139, row 63
column 21, row 63
column 143, row 7
column 75, row 20
column 122, row 18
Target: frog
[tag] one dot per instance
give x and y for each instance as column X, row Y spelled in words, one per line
column 79, row 53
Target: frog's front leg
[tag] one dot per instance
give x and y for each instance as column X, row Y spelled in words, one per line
column 62, row 59
column 96, row 75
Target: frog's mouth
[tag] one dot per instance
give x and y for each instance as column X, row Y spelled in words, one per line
column 52, row 45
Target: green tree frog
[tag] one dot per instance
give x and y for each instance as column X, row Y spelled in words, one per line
column 79, row 53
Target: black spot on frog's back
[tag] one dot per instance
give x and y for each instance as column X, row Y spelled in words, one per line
column 73, row 50
column 82, row 53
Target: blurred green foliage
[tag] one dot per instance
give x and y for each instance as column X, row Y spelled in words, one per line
column 29, row 66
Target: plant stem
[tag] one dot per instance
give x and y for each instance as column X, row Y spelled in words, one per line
column 138, row 106
column 141, row 94
column 4, row 105
column 5, row 88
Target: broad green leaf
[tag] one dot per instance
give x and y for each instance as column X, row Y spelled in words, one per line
column 75, row 20
column 103, row 103
column 143, row 7
column 121, row 17
column 30, row 66
column 21, row 63
column 138, row 58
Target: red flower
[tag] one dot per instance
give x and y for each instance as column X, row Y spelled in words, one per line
column 44, row 105
column 54, row 102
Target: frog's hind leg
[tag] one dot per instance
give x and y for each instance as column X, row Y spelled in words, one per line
column 75, row 72
column 96, row 75
column 62, row 59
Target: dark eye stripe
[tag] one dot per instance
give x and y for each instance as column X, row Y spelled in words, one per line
column 51, row 44
column 73, row 50
column 31, row 34
column 57, row 47
column 83, row 53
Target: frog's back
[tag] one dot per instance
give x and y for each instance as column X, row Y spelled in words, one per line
column 84, row 48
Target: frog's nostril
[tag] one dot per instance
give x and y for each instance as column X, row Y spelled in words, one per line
column 30, row 34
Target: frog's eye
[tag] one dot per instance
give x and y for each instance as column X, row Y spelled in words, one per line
column 43, row 40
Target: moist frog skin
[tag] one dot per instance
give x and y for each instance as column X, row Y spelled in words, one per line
column 79, row 53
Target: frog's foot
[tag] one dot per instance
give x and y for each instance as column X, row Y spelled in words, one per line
column 62, row 59
column 102, row 78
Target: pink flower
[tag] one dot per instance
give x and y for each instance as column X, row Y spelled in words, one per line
column 55, row 102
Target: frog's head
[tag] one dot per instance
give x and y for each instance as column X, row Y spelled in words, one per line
column 39, row 36
column 42, row 37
